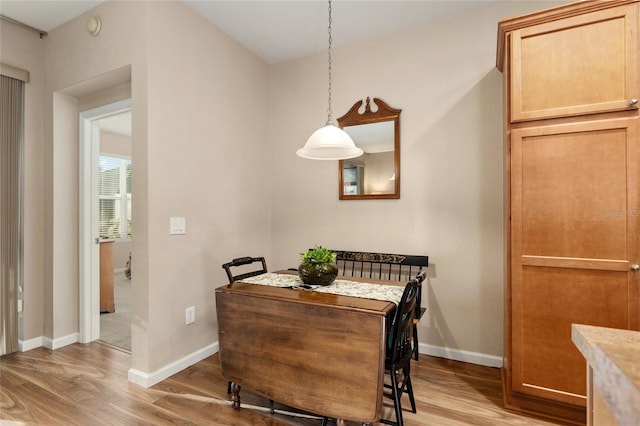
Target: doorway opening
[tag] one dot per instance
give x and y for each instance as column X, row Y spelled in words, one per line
column 106, row 239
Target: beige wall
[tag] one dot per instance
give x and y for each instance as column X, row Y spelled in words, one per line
column 112, row 93
column 61, row 274
column 192, row 89
column 208, row 117
column 73, row 58
column 444, row 79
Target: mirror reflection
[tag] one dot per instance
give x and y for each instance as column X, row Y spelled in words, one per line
column 374, row 171
column 375, row 174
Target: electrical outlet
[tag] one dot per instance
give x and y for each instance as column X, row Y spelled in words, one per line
column 190, row 315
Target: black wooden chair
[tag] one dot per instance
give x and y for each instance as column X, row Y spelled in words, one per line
column 386, row 266
column 419, row 311
column 399, row 351
column 239, row 269
column 244, row 267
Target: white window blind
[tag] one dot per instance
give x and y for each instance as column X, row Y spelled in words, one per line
column 115, row 197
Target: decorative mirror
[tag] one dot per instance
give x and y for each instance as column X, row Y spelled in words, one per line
column 376, row 173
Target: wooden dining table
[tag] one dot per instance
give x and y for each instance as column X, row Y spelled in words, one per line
column 317, row 352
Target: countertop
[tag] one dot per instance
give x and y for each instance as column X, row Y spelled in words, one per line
column 614, row 356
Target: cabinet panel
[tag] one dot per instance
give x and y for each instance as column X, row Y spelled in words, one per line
column 574, row 213
column 579, row 65
column 574, row 185
column 546, row 363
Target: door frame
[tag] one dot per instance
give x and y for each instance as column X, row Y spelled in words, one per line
column 88, row 216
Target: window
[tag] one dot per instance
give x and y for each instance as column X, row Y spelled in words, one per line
column 353, row 175
column 115, row 197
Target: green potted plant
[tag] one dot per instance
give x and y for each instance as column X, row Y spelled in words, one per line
column 318, row 266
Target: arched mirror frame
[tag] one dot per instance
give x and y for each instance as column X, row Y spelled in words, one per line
column 354, row 118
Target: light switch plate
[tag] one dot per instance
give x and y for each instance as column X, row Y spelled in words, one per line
column 178, row 225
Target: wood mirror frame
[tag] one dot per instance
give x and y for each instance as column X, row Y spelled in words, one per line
column 383, row 114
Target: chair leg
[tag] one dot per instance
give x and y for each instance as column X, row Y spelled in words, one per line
column 396, row 394
column 415, row 342
column 397, row 398
column 409, row 389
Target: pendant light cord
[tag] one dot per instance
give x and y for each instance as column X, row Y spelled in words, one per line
column 329, row 142
column 329, row 113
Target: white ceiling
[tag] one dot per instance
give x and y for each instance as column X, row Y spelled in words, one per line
column 275, row 30
column 119, row 124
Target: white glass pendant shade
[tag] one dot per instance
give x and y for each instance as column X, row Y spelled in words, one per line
column 329, row 143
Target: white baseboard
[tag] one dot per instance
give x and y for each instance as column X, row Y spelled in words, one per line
column 64, row 341
column 27, row 345
column 149, row 379
column 36, row 342
column 460, row 355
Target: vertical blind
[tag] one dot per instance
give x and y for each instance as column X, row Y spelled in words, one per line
column 11, row 124
column 115, row 197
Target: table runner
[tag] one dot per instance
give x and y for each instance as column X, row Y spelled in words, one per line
column 391, row 293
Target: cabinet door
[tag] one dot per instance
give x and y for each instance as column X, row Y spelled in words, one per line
column 574, row 236
column 579, row 65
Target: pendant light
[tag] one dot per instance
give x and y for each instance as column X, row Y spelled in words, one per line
column 329, row 142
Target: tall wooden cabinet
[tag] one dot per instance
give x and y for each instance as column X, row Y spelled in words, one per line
column 573, row 193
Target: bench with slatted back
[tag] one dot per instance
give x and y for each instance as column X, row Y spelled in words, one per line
column 385, row 266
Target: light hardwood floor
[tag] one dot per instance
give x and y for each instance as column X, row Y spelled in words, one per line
column 86, row 384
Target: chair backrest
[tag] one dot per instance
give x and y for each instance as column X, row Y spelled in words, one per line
column 382, row 266
column 237, row 269
column 400, row 338
column 422, row 275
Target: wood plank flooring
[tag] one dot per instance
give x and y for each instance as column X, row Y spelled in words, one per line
column 86, row 384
